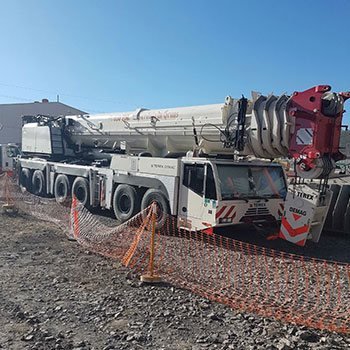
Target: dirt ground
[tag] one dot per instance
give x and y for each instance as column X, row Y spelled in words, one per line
column 56, row 295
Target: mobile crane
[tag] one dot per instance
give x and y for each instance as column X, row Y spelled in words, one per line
column 209, row 166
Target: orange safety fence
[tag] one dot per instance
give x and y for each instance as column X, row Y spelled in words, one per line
column 290, row 288
column 42, row 208
column 6, row 189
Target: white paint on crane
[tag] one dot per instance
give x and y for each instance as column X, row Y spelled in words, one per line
column 266, row 135
column 267, row 129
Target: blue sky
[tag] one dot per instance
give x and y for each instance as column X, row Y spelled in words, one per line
column 120, row 55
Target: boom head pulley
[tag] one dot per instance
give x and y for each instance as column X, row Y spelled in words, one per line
column 317, row 118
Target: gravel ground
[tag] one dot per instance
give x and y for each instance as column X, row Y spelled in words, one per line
column 56, row 295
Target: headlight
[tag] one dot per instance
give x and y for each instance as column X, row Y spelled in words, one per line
column 225, row 220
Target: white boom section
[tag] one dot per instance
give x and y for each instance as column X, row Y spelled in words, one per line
column 266, row 130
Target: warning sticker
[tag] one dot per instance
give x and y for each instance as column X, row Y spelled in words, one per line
column 304, row 136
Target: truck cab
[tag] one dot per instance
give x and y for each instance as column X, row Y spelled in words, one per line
column 7, row 154
column 217, row 193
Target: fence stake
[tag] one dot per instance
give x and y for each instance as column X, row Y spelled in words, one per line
column 151, row 277
column 9, row 206
column 74, row 221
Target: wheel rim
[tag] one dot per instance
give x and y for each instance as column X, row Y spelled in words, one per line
column 159, row 210
column 37, row 185
column 61, row 190
column 124, row 203
column 80, row 194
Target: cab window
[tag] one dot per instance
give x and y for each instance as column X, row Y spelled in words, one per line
column 210, row 188
column 194, row 178
column 12, row 151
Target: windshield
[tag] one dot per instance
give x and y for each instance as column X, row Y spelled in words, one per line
column 242, row 181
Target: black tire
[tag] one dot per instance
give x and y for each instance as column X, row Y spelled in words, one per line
column 163, row 207
column 62, row 189
column 25, row 179
column 125, row 202
column 38, row 183
column 145, row 154
column 81, row 191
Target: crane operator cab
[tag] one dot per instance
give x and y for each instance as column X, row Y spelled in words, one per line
column 219, row 193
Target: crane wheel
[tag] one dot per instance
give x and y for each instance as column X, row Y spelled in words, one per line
column 145, row 154
column 25, row 179
column 125, row 202
column 81, row 191
column 38, row 183
column 163, row 207
column 62, row 189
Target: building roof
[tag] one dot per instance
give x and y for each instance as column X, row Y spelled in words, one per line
column 35, row 108
column 11, row 116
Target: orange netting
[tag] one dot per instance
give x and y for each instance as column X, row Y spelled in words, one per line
column 287, row 287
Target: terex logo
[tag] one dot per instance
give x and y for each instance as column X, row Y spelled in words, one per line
column 297, row 211
column 305, row 195
column 259, row 205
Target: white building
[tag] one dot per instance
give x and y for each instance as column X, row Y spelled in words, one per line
column 11, row 116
